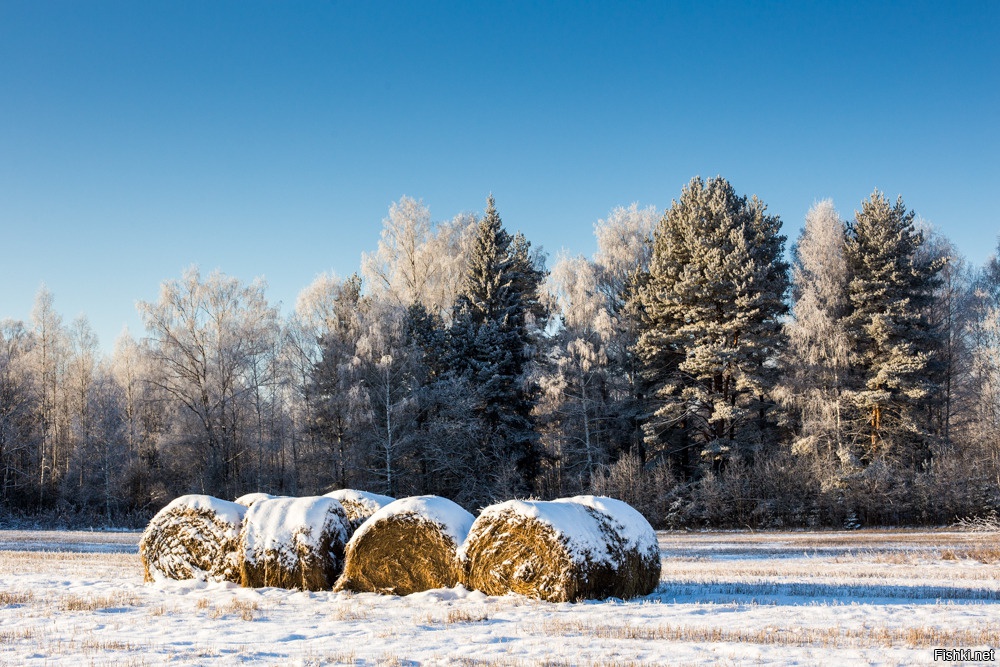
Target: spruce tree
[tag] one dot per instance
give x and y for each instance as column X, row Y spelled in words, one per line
column 712, row 304
column 334, row 387
column 491, row 340
column 892, row 343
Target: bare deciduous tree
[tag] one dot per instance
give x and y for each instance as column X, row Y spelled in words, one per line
column 206, row 339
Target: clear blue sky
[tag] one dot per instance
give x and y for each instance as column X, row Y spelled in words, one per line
column 269, row 138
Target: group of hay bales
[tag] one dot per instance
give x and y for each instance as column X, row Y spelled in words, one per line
column 259, row 540
column 562, row 550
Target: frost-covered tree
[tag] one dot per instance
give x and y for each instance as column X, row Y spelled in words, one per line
column 334, row 391
column 142, row 419
column 386, row 364
column 19, row 407
column 402, row 268
column 418, row 261
column 574, row 410
column 591, row 403
column 49, row 355
column 817, row 358
column 450, row 246
column 984, row 373
column 892, row 341
column 81, row 376
column 206, row 336
column 949, row 314
column 315, row 315
column 101, row 463
column 624, row 250
column 446, row 420
column 712, row 306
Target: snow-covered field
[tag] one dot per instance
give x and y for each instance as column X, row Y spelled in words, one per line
column 865, row 597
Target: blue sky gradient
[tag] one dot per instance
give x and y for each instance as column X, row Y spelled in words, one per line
column 269, row 138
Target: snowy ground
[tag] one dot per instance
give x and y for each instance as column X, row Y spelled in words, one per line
column 866, row 597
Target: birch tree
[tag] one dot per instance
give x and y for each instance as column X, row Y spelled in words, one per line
column 48, row 365
column 19, row 407
column 142, row 418
column 624, row 250
column 418, row 261
column 401, row 268
column 985, row 367
column 205, row 335
column 817, row 358
column 573, row 405
column 386, row 368
column 80, row 378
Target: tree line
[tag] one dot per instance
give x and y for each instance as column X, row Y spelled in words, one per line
column 687, row 368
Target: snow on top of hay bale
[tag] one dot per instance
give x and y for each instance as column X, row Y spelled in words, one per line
column 631, row 526
column 279, row 522
column 193, row 537
column 373, row 500
column 450, row 517
column 231, row 513
column 359, row 505
column 582, row 535
column 293, row 543
column 248, row 499
column 408, row 546
column 638, row 573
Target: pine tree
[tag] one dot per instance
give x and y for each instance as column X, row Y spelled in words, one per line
column 892, row 343
column 491, row 340
column 712, row 304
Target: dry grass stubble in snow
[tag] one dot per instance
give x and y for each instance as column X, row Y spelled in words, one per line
column 872, row 597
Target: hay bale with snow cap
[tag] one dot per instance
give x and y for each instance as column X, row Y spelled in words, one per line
column 293, row 543
column 359, row 505
column 560, row 551
column 193, row 537
column 248, row 499
column 408, row 546
column 639, row 573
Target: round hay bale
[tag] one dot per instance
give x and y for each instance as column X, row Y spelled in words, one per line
column 639, row 574
column 194, row 537
column 408, row 546
column 359, row 505
column 293, row 543
column 559, row 551
column 248, row 499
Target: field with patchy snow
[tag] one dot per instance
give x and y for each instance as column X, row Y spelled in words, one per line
column 864, row 597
